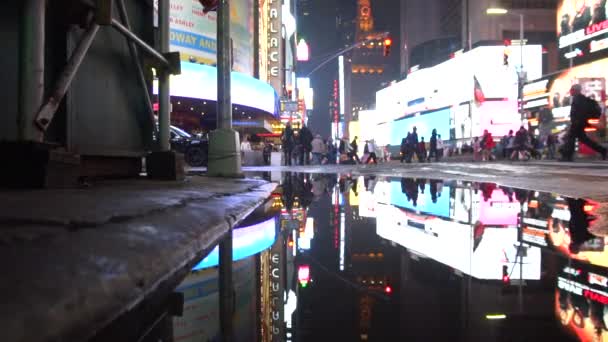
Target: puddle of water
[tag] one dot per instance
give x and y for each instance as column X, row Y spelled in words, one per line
column 332, row 257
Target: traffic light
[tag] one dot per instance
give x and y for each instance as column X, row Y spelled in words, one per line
column 303, row 275
column 387, row 46
column 506, row 279
column 388, row 289
column 209, row 5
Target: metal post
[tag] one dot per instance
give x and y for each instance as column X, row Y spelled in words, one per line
column 124, row 17
column 224, row 101
column 521, row 67
column 224, row 145
column 31, row 87
column 226, row 288
column 164, row 98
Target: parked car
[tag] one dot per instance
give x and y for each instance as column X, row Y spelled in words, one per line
column 195, row 149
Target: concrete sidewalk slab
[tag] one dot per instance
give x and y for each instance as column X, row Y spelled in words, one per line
column 75, row 260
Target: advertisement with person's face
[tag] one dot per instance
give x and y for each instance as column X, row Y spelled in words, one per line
column 582, row 27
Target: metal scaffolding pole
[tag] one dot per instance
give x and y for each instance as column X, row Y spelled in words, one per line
column 224, row 146
column 124, row 17
column 31, row 87
column 163, row 78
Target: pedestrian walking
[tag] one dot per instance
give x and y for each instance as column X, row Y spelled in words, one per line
column 521, row 145
column 476, row 149
column 551, row 143
column 288, row 142
column 318, row 150
column 332, row 151
column 433, row 152
column 412, row 145
column 345, row 150
column 404, row 147
column 355, row 150
column 582, row 109
column 440, row 147
column 306, row 138
column 372, row 157
column 421, row 150
column 487, row 145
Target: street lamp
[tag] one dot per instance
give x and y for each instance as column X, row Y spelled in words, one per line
column 521, row 74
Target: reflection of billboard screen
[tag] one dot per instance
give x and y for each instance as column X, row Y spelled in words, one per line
column 458, row 246
column 247, row 241
column 498, row 210
column 425, row 123
column 424, row 201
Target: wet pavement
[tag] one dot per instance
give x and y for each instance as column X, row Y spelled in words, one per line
column 343, row 257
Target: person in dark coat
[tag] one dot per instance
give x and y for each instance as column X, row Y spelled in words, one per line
column 288, row 142
column 433, row 146
column 579, row 113
column 355, row 150
column 421, row 151
column 412, row 145
column 403, row 147
column 578, row 225
column 306, row 138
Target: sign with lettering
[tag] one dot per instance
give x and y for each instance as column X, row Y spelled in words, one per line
column 193, row 33
column 275, row 57
column 277, row 289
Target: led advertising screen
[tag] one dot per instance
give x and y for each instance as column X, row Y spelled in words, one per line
column 582, row 28
column 424, row 123
column 498, row 210
column 200, row 82
column 428, row 199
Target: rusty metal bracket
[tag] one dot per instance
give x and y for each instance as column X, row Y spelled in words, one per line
column 49, row 108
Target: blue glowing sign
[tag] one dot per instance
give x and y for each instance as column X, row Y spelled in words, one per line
column 247, row 241
column 424, row 202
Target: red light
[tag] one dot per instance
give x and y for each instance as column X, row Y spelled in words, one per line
column 589, row 207
column 507, row 42
column 506, row 279
column 593, row 121
column 590, row 129
column 304, row 273
column 290, row 243
column 388, row 41
column 388, row 289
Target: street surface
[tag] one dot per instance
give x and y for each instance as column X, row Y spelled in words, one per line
column 579, row 179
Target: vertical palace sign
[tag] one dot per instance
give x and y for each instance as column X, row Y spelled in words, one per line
column 274, row 45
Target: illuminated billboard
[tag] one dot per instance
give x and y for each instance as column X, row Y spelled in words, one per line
column 200, row 82
column 247, row 241
column 424, row 123
column 193, row 33
column 582, row 28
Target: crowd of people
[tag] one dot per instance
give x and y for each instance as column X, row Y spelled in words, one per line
column 412, row 148
column 300, row 146
column 303, row 148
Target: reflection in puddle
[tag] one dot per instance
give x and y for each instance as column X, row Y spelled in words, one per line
column 370, row 258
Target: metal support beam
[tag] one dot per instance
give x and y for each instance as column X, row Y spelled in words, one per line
column 124, row 17
column 164, row 100
column 224, row 146
column 224, row 62
column 47, row 112
column 143, row 45
column 226, row 289
column 31, row 85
